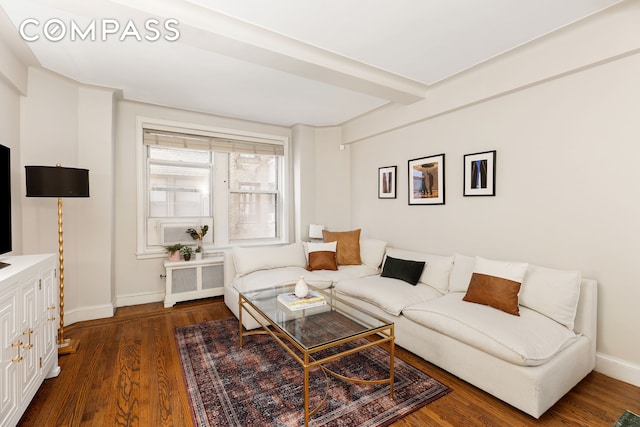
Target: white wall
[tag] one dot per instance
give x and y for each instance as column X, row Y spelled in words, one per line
column 322, row 181
column 71, row 124
column 304, row 163
column 332, row 185
column 13, row 84
column 138, row 280
column 10, row 137
column 96, row 152
column 567, row 151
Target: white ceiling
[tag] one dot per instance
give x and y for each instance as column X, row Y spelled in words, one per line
column 317, row 62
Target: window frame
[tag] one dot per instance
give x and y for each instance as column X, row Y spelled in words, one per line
column 218, row 237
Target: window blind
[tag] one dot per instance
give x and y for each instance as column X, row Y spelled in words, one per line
column 247, row 145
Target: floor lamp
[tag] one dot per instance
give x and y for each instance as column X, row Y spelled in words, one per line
column 56, row 181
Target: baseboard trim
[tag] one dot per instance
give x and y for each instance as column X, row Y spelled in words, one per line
column 108, row 310
column 88, row 313
column 619, row 369
column 141, row 298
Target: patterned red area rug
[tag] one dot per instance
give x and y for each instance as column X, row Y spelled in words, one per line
column 261, row 385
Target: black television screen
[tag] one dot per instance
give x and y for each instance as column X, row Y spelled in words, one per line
column 5, row 199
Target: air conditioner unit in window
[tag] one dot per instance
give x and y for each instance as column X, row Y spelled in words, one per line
column 175, row 233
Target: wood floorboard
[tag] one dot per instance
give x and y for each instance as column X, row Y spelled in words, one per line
column 127, row 372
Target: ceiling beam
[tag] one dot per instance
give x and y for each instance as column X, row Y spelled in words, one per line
column 213, row 31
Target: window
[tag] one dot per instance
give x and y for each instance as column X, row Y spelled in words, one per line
column 179, row 182
column 253, row 196
column 233, row 183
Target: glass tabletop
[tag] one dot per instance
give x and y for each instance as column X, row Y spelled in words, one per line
column 315, row 326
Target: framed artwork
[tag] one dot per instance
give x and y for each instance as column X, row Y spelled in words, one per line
column 387, row 182
column 480, row 174
column 426, row 180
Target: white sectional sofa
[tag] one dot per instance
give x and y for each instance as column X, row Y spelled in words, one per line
column 529, row 360
column 261, row 267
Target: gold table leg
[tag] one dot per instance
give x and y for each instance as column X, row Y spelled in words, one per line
column 305, row 360
column 392, row 350
column 240, row 317
column 306, row 389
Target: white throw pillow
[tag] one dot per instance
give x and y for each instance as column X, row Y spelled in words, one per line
column 504, row 269
column 438, row 271
column 372, row 252
column 247, row 260
column 554, row 293
column 316, row 247
column 461, row 273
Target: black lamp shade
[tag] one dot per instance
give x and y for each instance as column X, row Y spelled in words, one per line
column 56, row 181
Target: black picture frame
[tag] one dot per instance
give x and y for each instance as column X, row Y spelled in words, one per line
column 480, row 174
column 387, row 176
column 426, row 180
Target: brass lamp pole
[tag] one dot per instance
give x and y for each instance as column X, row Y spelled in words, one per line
column 64, row 346
column 50, row 181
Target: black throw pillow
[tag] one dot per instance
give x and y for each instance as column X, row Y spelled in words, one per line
column 402, row 269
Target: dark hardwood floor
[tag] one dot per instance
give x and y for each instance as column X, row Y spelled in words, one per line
column 127, row 373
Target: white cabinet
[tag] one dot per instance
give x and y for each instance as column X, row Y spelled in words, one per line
column 187, row 280
column 28, row 330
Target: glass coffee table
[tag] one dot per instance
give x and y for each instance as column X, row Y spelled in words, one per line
column 306, row 333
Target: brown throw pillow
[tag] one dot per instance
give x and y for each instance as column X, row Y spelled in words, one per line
column 322, row 260
column 495, row 292
column 348, row 249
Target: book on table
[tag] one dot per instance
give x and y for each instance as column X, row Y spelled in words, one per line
column 292, row 302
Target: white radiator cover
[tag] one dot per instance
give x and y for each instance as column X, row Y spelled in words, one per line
column 194, row 279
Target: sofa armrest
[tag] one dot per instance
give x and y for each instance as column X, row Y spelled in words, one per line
column 586, row 322
column 229, row 269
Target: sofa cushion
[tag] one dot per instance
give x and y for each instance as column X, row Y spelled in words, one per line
column 461, row 273
column 436, row 271
column 280, row 276
column 348, row 250
column 372, row 252
column 391, row 295
column 509, row 270
column 322, row 256
column 554, row 293
column 402, row 269
column 347, row 272
column 496, row 284
column 528, row 340
column 247, row 260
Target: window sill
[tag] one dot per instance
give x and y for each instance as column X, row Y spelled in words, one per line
column 215, row 250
